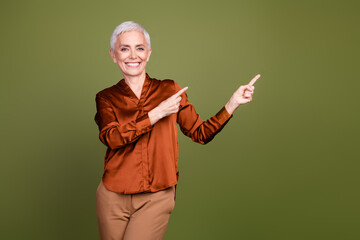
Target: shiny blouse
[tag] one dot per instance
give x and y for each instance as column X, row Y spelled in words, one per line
column 141, row 157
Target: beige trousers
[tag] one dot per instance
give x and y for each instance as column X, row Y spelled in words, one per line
column 140, row 216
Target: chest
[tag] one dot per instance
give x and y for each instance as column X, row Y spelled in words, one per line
column 130, row 105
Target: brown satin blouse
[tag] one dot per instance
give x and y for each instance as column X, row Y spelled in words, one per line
column 141, row 157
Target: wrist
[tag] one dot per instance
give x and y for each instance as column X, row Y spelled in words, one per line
column 230, row 108
column 154, row 115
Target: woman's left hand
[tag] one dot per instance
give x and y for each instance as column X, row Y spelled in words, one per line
column 241, row 96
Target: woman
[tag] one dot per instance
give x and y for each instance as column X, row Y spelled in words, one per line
column 137, row 122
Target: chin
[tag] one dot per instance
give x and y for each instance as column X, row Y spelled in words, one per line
column 132, row 73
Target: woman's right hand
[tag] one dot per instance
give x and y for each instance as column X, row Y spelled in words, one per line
column 166, row 107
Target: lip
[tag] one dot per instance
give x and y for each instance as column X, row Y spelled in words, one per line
column 133, row 64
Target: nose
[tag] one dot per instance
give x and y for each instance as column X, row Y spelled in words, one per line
column 133, row 54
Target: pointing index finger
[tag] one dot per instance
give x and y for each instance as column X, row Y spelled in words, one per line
column 180, row 92
column 254, row 80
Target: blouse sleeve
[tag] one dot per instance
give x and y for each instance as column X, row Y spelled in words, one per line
column 114, row 134
column 192, row 126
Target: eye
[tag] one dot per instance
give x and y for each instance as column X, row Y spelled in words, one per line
column 123, row 49
column 141, row 49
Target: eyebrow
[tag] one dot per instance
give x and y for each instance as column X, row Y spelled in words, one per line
column 125, row 45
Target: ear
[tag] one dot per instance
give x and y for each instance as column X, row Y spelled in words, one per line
column 148, row 55
column 112, row 55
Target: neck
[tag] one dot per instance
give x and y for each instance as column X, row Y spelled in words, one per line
column 135, row 81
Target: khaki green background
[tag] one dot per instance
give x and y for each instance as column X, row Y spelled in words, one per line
column 285, row 167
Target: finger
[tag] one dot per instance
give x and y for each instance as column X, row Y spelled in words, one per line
column 180, row 92
column 241, row 89
column 254, row 80
column 249, row 89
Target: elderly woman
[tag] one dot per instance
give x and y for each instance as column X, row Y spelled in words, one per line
column 137, row 122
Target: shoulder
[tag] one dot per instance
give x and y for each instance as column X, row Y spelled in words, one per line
column 164, row 84
column 107, row 92
column 167, row 83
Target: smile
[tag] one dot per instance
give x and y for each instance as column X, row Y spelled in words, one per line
column 132, row 64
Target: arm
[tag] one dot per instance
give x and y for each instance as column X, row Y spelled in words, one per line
column 203, row 132
column 191, row 124
column 114, row 134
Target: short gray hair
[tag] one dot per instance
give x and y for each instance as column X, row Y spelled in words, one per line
column 127, row 27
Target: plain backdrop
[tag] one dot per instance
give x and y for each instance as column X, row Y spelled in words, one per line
column 286, row 167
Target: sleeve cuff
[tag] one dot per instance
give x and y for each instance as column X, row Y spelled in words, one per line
column 223, row 115
column 143, row 123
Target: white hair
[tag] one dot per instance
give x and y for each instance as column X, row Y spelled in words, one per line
column 127, row 27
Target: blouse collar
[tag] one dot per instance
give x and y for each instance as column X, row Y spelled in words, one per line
column 127, row 90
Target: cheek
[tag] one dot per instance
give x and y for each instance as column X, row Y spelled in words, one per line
column 144, row 56
column 121, row 57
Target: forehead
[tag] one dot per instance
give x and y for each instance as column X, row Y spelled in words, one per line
column 131, row 38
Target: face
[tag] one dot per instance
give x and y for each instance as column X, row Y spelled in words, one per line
column 131, row 53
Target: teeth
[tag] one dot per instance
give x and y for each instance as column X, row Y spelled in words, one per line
column 132, row 64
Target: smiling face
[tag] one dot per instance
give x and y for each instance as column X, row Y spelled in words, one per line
column 131, row 53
